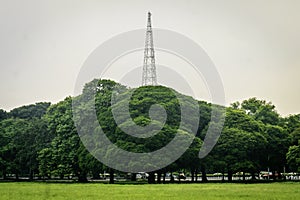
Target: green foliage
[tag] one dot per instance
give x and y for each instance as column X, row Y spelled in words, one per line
column 63, row 147
column 291, row 122
column 141, row 101
column 190, row 160
column 277, row 146
column 205, row 116
column 3, row 114
column 295, row 136
column 19, row 146
column 238, row 150
column 45, row 162
column 31, row 111
column 261, row 110
column 293, row 158
column 239, row 119
column 42, row 138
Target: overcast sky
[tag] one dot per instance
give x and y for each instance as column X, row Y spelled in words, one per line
column 255, row 45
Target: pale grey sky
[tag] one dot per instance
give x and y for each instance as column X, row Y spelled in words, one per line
column 254, row 44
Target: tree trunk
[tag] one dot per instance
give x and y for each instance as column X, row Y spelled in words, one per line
column 280, row 176
column 204, row 177
column 229, row 176
column 172, row 178
column 273, row 175
column 96, row 175
column 244, row 177
column 164, row 177
column 82, row 178
column 253, row 175
column 193, row 175
column 151, row 178
column 196, row 177
column 30, row 174
column 133, row 177
column 111, row 176
column 158, row 177
column 4, row 174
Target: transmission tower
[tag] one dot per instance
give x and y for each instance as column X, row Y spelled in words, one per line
column 149, row 69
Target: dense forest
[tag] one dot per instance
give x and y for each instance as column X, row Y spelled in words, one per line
column 40, row 141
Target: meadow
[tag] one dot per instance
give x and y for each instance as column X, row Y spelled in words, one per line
column 209, row 191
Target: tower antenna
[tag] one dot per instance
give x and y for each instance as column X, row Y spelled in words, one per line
column 149, row 69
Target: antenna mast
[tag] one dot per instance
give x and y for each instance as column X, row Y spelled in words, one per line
column 149, row 69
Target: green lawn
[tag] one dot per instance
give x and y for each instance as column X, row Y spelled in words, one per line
column 208, row 191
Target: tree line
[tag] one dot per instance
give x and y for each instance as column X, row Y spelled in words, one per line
column 41, row 140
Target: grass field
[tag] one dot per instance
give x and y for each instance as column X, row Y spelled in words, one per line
column 32, row 191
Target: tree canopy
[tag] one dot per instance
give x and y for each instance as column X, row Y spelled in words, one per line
column 41, row 140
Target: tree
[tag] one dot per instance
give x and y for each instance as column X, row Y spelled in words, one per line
column 15, row 146
column 205, row 118
column 89, row 164
column 295, row 136
column 261, row 110
column 42, row 138
column 30, row 111
column 46, row 163
column 238, row 150
column 103, row 90
column 293, row 154
column 140, row 105
column 277, row 147
column 291, row 122
column 190, row 160
column 63, row 147
column 236, row 118
column 3, row 115
column 240, row 147
column 293, row 158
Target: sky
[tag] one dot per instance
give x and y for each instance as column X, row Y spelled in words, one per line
column 254, row 44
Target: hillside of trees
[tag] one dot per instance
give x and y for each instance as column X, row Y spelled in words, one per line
column 40, row 141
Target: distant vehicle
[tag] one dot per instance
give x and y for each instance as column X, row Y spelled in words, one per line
column 269, row 175
column 217, row 174
column 142, row 175
column 292, row 176
column 182, row 176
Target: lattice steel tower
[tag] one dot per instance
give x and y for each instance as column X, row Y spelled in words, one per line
column 149, row 69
